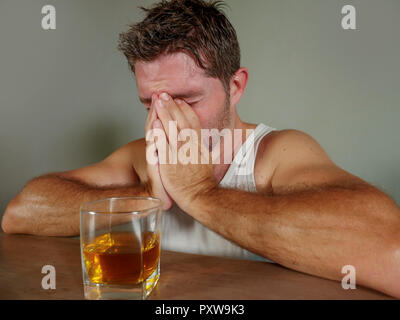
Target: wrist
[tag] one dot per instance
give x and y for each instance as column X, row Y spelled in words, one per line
column 147, row 189
column 200, row 197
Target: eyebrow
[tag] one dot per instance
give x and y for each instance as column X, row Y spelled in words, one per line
column 183, row 95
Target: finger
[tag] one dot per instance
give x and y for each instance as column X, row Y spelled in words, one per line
column 168, row 110
column 151, row 116
column 152, row 159
column 189, row 114
column 163, row 115
column 149, row 122
column 195, row 124
column 162, row 145
column 157, row 187
column 149, row 140
column 169, row 126
column 151, row 149
column 174, row 111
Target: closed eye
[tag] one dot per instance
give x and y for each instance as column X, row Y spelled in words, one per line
column 193, row 104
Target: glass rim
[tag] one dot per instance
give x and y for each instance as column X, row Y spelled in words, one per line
column 82, row 208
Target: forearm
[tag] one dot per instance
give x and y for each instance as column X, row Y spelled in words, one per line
column 49, row 205
column 316, row 232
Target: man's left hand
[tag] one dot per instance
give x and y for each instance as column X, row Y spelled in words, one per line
column 187, row 171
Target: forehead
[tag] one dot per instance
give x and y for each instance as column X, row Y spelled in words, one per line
column 172, row 72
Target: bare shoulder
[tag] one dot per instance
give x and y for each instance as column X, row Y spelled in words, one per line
column 134, row 153
column 293, row 159
column 290, row 145
column 287, row 143
column 270, row 153
column 122, row 167
column 128, row 152
column 138, row 152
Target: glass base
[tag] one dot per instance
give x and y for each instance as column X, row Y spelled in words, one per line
column 141, row 291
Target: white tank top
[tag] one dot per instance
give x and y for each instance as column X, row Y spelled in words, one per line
column 182, row 233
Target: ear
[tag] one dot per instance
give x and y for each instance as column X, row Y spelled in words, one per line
column 238, row 85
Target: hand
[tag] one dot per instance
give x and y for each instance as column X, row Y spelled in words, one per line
column 183, row 181
column 155, row 185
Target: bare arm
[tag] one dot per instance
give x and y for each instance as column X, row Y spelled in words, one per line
column 49, row 205
column 319, row 219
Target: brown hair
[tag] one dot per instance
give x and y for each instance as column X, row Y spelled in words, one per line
column 196, row 27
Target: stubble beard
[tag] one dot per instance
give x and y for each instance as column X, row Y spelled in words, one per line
column 224, row 121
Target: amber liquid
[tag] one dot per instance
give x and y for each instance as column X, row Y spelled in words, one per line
column 116, row 258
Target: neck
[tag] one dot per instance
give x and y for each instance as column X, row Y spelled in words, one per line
column 221, row 168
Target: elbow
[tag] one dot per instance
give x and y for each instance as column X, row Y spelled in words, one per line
column 392, row 270
column 381, row 271
column 384, row 265
column 391, row 265
column 7, row 224
column 10, row 222
column 386, row 274
column 390, row 277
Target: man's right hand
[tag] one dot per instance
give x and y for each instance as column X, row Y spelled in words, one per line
column 155, row 185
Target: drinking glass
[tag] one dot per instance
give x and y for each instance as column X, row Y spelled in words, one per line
column 120, row 247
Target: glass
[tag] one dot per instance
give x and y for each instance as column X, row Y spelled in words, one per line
column 120, row 247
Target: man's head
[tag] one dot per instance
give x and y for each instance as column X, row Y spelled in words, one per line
column 189, row 49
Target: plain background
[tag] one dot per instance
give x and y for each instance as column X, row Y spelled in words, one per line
column 68, row 98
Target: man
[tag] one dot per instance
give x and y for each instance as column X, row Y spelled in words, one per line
column 295, row 207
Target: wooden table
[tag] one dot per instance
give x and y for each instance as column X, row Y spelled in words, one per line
column 183, row 276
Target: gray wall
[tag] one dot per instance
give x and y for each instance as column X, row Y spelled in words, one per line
column 68, row 99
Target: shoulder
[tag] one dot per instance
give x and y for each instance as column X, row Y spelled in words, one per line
column 138, row 150
column 130, row 151
column 290, row 143
column 132, row 154
column 284, row 149
column 289, row 137
column 299, row 162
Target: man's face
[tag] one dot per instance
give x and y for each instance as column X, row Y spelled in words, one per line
column 179, row 76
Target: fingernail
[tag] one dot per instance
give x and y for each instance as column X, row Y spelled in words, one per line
column 178, row 101
column 153, row 98
column 157, row 124
column 160, row 103
column 164, row 96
